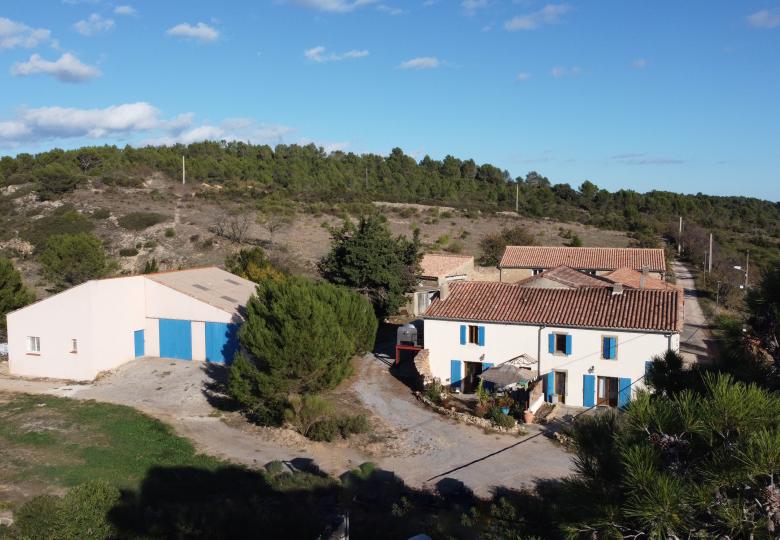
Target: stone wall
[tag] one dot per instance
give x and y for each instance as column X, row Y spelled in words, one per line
column 483, row 423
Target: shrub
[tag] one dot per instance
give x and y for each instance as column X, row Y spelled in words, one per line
column 56, row 179
column 500, row 419
column 354, row 425
column 434, row 391
column 325, row 430
column 493, row 245
column 101, row 213
column 138, row 221
column 306, row 411
column 70, row 259
column 13, row 293
column 150, row 267
column 64, row 220
column 128, row 252
column 82, row 513
column 170, row 232
column 454, row 247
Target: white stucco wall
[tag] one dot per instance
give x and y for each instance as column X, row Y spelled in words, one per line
column 101, row 315
column 504, row 342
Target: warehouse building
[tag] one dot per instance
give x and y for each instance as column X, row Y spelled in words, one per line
column 98, row 325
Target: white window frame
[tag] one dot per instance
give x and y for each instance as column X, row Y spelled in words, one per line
column 33, row 344
column 74, row 345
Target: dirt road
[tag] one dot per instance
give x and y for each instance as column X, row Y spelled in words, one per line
column 426, row 450
column 696, row 341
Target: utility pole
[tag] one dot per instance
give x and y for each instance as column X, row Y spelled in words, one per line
column 366, row 177
column 183, row 171
column 709, row 268
column 747, row 269
column 679, row 239
column 517, row 198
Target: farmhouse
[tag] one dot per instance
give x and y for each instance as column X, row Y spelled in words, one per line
column 520, row 262
column 579, row 346
column 98, row 325
column 437, row 271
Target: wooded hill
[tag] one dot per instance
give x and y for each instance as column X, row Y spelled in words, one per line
column 308, row 174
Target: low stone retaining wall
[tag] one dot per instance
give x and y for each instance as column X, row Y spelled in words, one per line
column 465, row 418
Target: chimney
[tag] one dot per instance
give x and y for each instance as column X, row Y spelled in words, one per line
column 444, row 290
column 643, row 277
column 617, row 288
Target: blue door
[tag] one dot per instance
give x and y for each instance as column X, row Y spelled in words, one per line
column 221, row 342
column 624, row 392
column 588, row 390
column 175, row 339
column 455, row 374
column 138, row 343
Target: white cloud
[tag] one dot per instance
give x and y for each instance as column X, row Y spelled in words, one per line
column 94, row 24
column 523, row 76
column 125, row 10
column 561, row 71
column 470, row 6
column 421, row 62
column 334, row 6
column 390, row 10
column 200, row 32
column 318, row 54
column 766, row 18
column 67, row 69
column 129, row 122
column 639, row 63
column 15, row 34
column 549, row 14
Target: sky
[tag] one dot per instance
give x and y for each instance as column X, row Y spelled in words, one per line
column 670, row 95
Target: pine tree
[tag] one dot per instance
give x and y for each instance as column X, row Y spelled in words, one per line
column 13, row 293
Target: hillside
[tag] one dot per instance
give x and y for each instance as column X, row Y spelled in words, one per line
column 282, row 198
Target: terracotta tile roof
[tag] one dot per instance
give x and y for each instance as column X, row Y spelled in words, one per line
column 438, row 265
column 634, row 309
column 631, row 278
column 566, row 276
column 583, row 258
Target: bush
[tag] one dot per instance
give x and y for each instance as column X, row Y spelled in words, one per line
column 354, row 425
column 325, row 430
column 500, row 419
column 64, row 220
column 434, row 392
column 56, row 179
column 493, row 245
column 306, row 411
column 70, row 259
column 13, row 293
column 138, row 221
column 101, row 213
column 128, row 252
column 170, row 232
column 83, row 513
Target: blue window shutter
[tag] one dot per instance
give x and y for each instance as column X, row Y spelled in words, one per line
column 486, row 366
column 551, row 343
column 648, row 367
column 550, row 385
column 588, row 390
column 612, row 348
column 605, row 347
column 568, row 345
column 624, row 392
column 455, row 376
column 481, row 336
column 462, row 334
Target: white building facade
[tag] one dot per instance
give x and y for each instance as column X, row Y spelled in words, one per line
column 101, row 324
column 580, row 360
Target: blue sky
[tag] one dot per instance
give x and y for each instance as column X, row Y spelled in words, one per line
column 681, row 96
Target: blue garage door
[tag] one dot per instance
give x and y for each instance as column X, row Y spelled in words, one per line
column 138, row 343
column 221, row 342
column 175, row 339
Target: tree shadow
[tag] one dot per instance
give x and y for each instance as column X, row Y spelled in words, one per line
column 215, row 388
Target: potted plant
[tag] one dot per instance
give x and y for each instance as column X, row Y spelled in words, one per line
column 505, row 403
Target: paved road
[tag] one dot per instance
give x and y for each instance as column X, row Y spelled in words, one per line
column 696, row 341
column 428, row 447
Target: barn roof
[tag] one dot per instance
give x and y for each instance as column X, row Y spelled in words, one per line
column 211, row 285
column 566, row 276
column 631, row 278
column 632, row 309
column 583, row 258
column 439, row 265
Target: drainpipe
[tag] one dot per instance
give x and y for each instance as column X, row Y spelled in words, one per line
column 539, row 351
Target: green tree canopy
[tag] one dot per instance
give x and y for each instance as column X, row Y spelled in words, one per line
column 367, row 258
column 682, row 466
column 56, row 179
column 13, row 293
column 493, row 245
column 251, row 264
column 299, row 337
column 71, row 259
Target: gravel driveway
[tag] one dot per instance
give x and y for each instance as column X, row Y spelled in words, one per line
column 429, row 449
column 696, row 341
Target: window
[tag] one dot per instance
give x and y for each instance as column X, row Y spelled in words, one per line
column 473, row 334
column 608, row 347
column 560, row 344
column 538, row 271
column 33, row 344
column 74, row 345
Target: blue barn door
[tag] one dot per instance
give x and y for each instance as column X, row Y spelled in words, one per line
column 221, row 342
column 175, row 339
column 138, row 343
